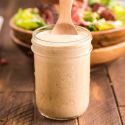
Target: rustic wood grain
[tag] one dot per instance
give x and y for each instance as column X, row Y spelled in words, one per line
column 40, row 120
column 5, row 106
column 102, row 109
column 122, row 111
column 18, row 109
column 117, row 75
column 22, row 111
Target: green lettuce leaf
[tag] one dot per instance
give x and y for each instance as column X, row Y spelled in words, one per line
column 103, row 2
column 119, row 12
column 28, row 19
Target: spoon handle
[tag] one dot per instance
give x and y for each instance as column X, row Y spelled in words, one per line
column 65, row 11
column 1, row 22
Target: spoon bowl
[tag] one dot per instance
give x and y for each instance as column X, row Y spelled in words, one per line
column 64, row 24
column 64, row 29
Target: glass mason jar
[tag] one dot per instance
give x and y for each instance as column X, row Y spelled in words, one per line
column 62, row 74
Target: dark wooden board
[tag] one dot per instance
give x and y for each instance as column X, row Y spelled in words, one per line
column 117, row 75
column 5, row 106
column 102, row 109
column 17, row 108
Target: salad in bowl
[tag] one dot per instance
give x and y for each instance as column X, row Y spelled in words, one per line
column 95, row 15
column 104, row 18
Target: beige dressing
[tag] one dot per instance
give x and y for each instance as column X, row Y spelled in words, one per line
column 62, row 74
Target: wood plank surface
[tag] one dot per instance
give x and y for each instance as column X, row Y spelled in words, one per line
column 40, row 120
column 5, row 106
column 122, row 111
column 18, row 109
column 102, row 109
column 22, row 111
column 117, row 75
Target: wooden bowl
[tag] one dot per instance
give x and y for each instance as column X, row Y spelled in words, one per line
column 98, row 56
column 107, row 54
column 100, row 38
column 108, row 37
column 22, row 34
column 24, row 47
column 49, row 1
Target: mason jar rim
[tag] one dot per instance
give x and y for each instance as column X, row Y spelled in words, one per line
column 88, row 36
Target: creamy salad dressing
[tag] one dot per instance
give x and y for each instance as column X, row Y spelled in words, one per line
column 47, row 36
column 62, row 74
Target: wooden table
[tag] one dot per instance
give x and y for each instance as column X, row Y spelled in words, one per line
column 17, row 107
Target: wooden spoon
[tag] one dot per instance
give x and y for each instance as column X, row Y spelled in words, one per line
column 49, row 1
column 64, row 24
column 1, row 22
